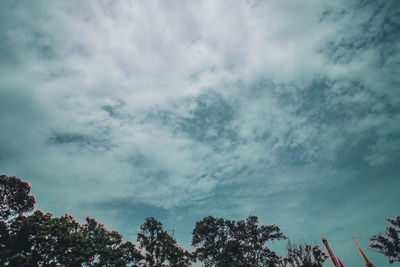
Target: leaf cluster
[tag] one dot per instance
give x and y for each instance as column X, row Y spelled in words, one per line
column 303, row 256
column 15, row 198
column 389, row 244
column 220, row 242
column 159, row 247
column 41, row 240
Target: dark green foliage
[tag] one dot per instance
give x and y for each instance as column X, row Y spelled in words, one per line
column 389, row 245
column 40, row 240
column 19, row 260
column 223, row 243
column 159, row 247
column 106, row 247
column 46, row 241
column 303, row 256
column 4, row 237
column 15, row 197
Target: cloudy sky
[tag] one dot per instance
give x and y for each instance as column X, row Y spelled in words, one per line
column 287, row 110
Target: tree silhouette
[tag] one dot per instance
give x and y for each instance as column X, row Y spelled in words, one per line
column 160, row 249
column 303, row 256
column 223, row 243
column 389, row 245
column 106, row 246
column 40, row 240
column 15, row 197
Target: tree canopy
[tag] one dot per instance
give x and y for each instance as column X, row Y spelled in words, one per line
column 303, row 256
column 220, row 242
column 159, row 247
column 15, row 197
column 389, row 244
column 41, row 240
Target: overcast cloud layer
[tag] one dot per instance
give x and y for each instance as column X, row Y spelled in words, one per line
column 288, row 110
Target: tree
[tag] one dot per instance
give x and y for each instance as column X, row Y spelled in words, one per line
column 40, row 240
column 160, row 249
column 221, row 243
column 389, row 245
column 28, row 242
column 106, row 247
column 15, row 197
column 304, row 256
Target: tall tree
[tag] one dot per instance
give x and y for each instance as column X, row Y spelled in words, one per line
column 15, row 197
column 40, row 240
column 304, row 256
column 160, row 249
column 106, row 246
column 220, row 242
column 389, row 245
column 29, row 240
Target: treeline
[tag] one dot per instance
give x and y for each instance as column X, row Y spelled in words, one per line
column 36, row 238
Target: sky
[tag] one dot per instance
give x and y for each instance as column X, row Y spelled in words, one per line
column 287, row 110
